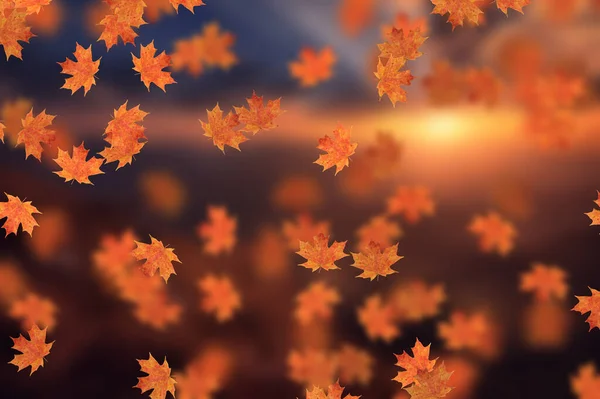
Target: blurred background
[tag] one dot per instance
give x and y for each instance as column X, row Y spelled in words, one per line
column 500, row 117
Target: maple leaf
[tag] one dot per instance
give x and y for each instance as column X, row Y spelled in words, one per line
column 12, row 114
column 313, row 67
column 221, row 129
column 31, row 6
column 378, row 319
column 258, row 117
column 164, row 192
column 400, row 46
column 2, row 127
column 412, row 202
column 414, row 365
column 269, row 253
column 375, row 261
column 545, row 281
column 590, row 304
column 125, row 15
column 415, row 301
column 312, row 367
column 33, row 310
column 594, row 216
column 76, row 167
column 303, row 228
column 35, row 132
column 355, row 365
column 32, row 351
column 189, row 4
column 124, row 133
column 319, row 255
column 13, row 29
column 220, row 297
column 391, row 79
column 517, row 5
column 403, row 21
column 17, row 213
column 458, row 11
column 444, row 84
column 586, row 384
column 355, row 15
column 151, row 67
column 334, row 391
column 157, row 258
column 380, row 230
column 338, row 149
column 219, row 232
column 82, row 71
column 156, row 310
column 431, row 385
column 158, row 380
column 464, row 331
column 155, row 8
column 316, row 302
column 114, row 259
column 204, row 375
column 495, row 233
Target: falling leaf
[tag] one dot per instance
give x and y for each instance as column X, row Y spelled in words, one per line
column 334, row 391
column 401, row 46
column 594, row 216
column 316, row 302
column 13, row 112
column 338, row 149
column 458, row 10
column 13, row 29
column 270, row 257
column 76, row 167
column 219, row 232
column 313, row 67
column 495, row 233
column 415, row 301
column 32, row 351
column 33, row 310
column 378, row 229
column 403, row 21
column 258, row 117
column 157, row 310
column 189, row 4
column 590, row 304
column 124, row 133
column 375, row 261
column 2, row 127
column 221, row 129
column 355, row 15
column 163, row 192
column 151, row 67
column 82, row 71
column 545, row 281
column 312, row 367
column 297, row 193
column 414, row 365
column 319, row 255
column 586, row 384
column 124, row 16
column 17, row 213
column 157, row 258
column 35, row 132
column 304, row 228
column 444, row 84
column 158, row 380
column 412, row 202
column 355, row 365
column 464, row 331
column 431, row 385
column 378, row 319
column 219, row 297
column 205, row 374
column 391, row 79
column 517, row 5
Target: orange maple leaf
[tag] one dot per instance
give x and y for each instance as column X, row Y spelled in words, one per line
column 157, row 310
column 32, row 351
column 313, row 67
column 380, row 230
column 258, row 117
column 463, row 331
column 17, row 213
column 586, row 384
column 164, row 192
column 155, row 8
column 432, row 384
column 304, row 228
column 355, row 365
column 125, row 15
column 517, row 5
column 157, row 256
column 315, row 302
column 2, row 127
column 319, row 255
column 12, row 114
column 76, row 167
column 391, row 79
column 399, row 46
column 219, row 297
column 35, row 132
column 221, row 129
column 334, row 391
column 82, row 71
column 378, row 319
column 458, row 11
column 219, row 232
column 545, row 281
column 312, row 367
column 338, row 149
column 412, row 202
column 158, row 380
column 355, row 15
column 594, row 216
column 189, row 4
column 151, row 67
column 205, row 374
column 590, row 304
column 445, row 84
column 13, row 29
column 124, row 133
column 34, row 310
column 403, row 21
column 415, row 301
column 414, row 365
column 375, row 261
column 30, row 6
column 495, row 233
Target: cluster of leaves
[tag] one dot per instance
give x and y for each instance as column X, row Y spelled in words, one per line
column 460, row 11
